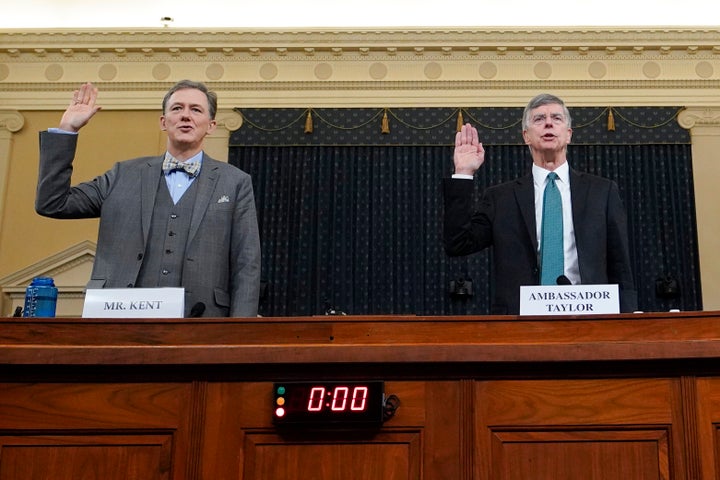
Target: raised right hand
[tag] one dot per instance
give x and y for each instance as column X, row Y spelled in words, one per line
column 81, row 108
column 469, row 153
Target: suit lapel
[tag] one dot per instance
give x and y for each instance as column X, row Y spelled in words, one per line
column 578, row 192
column 584, row 241
column 525, row 197
column 207, row 181
column 150, row 179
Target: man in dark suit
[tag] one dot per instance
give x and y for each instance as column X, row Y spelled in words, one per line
column 594, row 238
column 180, row 219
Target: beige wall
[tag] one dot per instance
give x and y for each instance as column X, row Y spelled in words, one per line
column 26, row 237
column 704, row 126
column 344, row 68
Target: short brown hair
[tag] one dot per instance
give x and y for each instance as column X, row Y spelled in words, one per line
column 183, row 84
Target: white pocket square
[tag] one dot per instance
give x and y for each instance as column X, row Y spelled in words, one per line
column 223, row 199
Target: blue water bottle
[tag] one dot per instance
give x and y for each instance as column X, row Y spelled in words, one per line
column 40, row 298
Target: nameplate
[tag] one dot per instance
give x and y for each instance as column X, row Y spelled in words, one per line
column 134, row 303
column 569, row 299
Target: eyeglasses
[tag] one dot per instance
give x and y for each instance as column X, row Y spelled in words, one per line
column 541, row 119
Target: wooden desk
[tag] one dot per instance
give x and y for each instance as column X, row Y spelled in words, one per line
column 603, row 397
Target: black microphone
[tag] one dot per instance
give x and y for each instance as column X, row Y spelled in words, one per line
column 197, row 310
column 563, row 280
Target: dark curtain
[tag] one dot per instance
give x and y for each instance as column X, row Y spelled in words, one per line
column 358, row 229
column 657, row 188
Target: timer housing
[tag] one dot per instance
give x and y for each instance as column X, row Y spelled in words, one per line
column 327, row 404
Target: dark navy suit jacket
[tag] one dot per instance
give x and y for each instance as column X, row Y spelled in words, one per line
column 505, row 220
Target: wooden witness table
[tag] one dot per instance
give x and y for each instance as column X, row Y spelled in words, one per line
column 633, row 396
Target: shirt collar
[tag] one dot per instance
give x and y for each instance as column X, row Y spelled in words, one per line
column 540, row 174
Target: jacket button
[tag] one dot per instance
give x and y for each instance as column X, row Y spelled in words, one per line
column 140, row 256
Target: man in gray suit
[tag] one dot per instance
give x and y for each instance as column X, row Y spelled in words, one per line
column 180, row 219
column 593, row 241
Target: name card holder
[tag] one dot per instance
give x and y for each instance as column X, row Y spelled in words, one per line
column 134, row 303
column 569, row 299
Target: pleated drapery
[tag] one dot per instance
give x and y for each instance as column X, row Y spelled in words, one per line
column 358, row 228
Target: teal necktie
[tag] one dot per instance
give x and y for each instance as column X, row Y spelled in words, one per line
column 552, row 255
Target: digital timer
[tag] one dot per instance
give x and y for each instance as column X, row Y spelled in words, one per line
column 328, row 403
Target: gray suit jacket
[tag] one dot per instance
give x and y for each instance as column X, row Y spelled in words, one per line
column 505, row 220
column 222, row 257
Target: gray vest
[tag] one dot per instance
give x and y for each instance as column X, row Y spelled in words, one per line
column 169, row 229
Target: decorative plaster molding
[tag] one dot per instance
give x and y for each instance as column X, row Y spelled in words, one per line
column 53, row 266
column 699, row 117
column 71, row 270
column 12, row 121
column 345, row 67
column 230, row 120
column 216, row 144
column 236, row 40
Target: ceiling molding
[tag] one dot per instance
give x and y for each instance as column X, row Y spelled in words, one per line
column 374, row 67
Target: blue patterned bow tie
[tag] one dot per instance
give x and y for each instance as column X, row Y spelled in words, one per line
column 191, row 168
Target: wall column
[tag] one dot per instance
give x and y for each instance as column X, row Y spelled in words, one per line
column 10, row 122
column 704, row 126
column 217, row 143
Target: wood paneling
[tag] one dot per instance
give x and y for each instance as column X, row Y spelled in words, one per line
column 708, row 421
column 568, row 429
column 493, row 398
column 94, row 430
column 602, row 455
column 422, row 436
column 352, row 456
column 86, row 456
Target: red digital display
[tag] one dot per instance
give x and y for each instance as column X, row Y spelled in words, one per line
column 328, row 403
column 340, row 398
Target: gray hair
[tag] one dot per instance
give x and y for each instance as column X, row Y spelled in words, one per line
column 539, row 101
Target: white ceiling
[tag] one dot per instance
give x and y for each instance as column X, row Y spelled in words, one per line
column 244, row 14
